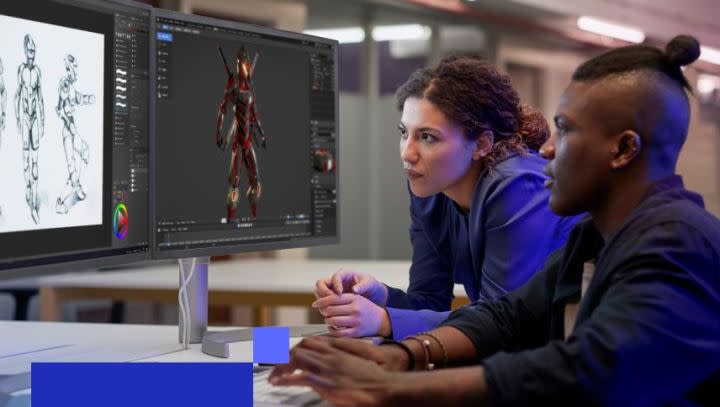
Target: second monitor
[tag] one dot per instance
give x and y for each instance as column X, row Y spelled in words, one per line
column 246, row 138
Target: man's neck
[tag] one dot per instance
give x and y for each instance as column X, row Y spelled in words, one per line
column 619, row 204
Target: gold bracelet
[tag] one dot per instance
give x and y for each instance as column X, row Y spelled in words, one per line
column 425, row 344
column 442, row 346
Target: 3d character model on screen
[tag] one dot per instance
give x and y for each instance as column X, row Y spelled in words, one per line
column 30, row 116
column 77, row 151
column 244, row 130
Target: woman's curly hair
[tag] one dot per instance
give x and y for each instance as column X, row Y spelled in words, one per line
column 475, row 96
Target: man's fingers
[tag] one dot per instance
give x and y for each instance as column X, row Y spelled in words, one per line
column 303, row 378
column 317, row 343
column 310, row 360
column 356, row 347
column 281, row 370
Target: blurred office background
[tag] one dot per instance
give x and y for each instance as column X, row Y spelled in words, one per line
column 537, row 42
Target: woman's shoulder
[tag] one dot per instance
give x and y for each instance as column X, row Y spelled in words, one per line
column 432, row 208
column 518, row 173
column 518, row 165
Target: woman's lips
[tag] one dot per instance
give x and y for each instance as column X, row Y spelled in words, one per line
column 412, row 174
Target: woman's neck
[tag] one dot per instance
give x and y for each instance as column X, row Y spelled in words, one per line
column 463, row 191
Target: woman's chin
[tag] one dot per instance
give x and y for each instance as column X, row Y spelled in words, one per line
column 421, row 192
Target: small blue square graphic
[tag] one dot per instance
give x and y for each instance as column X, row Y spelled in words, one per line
column 271, row 344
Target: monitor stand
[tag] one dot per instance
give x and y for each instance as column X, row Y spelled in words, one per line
column 213, row 343
column 197, row 292
column 218, row 343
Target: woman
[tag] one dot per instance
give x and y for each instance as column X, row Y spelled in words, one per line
column 477, row 202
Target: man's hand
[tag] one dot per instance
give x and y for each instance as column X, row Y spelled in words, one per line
column 333, row 368
column 350, row 281
column 353, row 315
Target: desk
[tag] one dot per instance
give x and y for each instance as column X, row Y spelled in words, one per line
column 261, row 284
column 25, row 342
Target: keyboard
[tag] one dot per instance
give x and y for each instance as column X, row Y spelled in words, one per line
column 267, row 395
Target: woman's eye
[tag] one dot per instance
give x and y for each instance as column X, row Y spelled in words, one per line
column 428, row 138
column 403, row 133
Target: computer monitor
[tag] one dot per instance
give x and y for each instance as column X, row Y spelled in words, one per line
column 74, row 137
column 244, row 155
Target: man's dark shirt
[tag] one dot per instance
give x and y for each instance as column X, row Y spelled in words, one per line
column 648, row 327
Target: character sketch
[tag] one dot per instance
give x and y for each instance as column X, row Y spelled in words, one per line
column 77, row 151
column 3, row 99
column 30, row 117
column 245, row 128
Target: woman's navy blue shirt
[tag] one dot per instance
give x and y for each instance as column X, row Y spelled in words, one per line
column 493, row 249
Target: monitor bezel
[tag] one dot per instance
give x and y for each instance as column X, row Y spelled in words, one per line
column 90, row 260
column 227, row 249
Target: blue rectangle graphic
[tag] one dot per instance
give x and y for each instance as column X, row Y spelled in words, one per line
column 141, row 384
column 163, row 36
column 271, row 344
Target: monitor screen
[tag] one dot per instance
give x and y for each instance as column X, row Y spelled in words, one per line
column 245, row 142
column 74, row 135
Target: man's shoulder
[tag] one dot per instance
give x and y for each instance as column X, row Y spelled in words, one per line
column 672, row 224
column 684, row 213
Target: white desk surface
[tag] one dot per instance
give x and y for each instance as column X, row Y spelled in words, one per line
column 47, row 341
column 268, row 275
column 22, row 343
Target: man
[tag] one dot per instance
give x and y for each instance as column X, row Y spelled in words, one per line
column 627, row 313
column 30, row 116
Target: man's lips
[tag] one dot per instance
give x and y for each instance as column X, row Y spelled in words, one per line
column 550, row 180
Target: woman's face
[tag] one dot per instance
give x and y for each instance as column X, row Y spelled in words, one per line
column 435, row 153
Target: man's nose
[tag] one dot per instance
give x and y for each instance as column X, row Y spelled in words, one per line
column 547, row 150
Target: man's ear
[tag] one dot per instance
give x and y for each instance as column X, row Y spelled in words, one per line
column 628, row 145
column 483, row 145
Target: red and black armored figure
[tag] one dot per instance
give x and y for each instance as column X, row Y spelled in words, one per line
column 245, row 128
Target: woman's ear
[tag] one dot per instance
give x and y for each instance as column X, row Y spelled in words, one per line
column 483, row 145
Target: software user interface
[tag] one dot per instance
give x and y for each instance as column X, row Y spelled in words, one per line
column 245, row 136
column 74, row 140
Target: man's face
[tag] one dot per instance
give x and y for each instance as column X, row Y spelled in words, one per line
column 580, row 150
